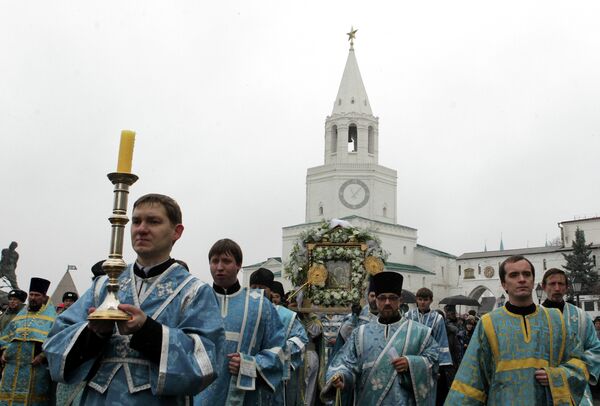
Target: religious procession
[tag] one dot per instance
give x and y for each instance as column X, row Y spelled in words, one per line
column 149, row 332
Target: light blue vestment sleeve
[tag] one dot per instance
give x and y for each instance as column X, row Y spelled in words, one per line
column 345, row 363
column 296, row 343
column 438, row 331
column 66, row 330
column 591, row 350
column 270, row 359
column 192, row 349
column 421, row 372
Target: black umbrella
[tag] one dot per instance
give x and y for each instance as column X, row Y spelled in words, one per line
column 408, row 297
column 460, row 300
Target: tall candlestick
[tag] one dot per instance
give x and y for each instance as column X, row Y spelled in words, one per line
column 126, row 151
column 114, row 265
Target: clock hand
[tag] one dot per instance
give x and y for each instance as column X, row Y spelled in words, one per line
column 354, row 192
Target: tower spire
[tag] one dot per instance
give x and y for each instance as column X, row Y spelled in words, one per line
column 352, row 95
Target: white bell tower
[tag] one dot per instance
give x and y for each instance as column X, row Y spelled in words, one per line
column 351, row 182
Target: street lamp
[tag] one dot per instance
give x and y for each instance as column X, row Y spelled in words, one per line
column 577, row 291
column 501, row 300
column 538, row 292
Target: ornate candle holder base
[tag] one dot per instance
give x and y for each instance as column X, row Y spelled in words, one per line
column 109, row 314
column 108, row 310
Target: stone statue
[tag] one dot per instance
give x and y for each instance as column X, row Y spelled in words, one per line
column 8, row 264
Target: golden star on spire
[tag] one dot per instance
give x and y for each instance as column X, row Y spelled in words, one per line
column 351, row 36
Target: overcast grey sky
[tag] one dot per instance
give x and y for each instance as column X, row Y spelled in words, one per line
column 488, row 111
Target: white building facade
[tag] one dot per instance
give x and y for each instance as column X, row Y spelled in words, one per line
column 478, row 271
column 352, row 185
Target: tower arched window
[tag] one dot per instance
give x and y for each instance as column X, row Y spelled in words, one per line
column 334, row 139
column 404, row 250
column 384, row 210
column 371, row 141
column 352, row 138
column 320, row 209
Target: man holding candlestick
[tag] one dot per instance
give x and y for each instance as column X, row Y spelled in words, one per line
column 171, row 347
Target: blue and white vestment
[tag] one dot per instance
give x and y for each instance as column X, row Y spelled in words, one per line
column 253, row 329
column 191, row 349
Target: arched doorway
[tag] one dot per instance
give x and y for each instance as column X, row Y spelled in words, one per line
column 484, row 296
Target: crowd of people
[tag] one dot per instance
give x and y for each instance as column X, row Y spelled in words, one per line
column 188, row 342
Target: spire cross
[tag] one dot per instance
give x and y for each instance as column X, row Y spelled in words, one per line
column 351, row 36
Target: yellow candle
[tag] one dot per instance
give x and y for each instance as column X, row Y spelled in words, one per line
column 126, row 151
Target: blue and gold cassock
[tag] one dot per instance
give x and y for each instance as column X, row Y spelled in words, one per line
column 581, row 327
column 252, row 329
column 365, row 363
column 505, row 351
column 296, row 340
column 191, row 349
column 22, row 383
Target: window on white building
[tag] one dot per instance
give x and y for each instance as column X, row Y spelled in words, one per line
column 545, row 266
column 404, row 250
column 371, row 141
column 320, row 209
column 469, row 273
column 334, row 139
column 352, row 138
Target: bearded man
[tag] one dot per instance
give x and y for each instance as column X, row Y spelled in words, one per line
column 25, row 379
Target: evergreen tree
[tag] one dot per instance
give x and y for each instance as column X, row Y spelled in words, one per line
column 580, row 264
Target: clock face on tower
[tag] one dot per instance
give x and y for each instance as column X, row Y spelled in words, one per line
column 354, row 193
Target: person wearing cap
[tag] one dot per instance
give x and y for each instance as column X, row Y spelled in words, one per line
column 16, row 302
column 432, row 319
column 520, row 353
column 262, row 279
column 254, row 335
column 277, row 294
column 169, row 348
column 296, row 338
column 390, row 361
column 555, row 284
column 25, row 379
column 69, row 298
